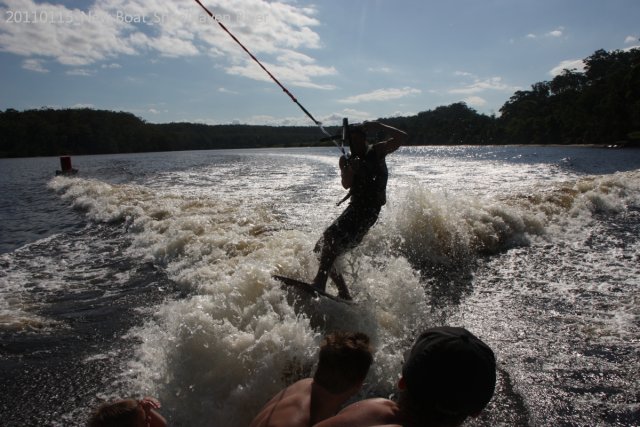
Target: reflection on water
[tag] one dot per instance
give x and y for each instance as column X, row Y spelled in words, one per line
column 167, row 290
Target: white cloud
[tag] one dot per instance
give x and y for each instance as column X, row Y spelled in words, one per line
column 70, row 36
column 353, row 115
column 108, row 29
column 273, row 31
column 556, row 33
column 34, row 65
column 569, row 64
column 475, row 101
column 493, row 83
column 463, row 74
column 264, row 120
column 382, row 70
column 225, row 90
column 357, row 116
column 333, row 119
column 166, row 45
column 83, row 72
column 631, row 39
column 268, row 120
column 296, row 70
column 381, row 95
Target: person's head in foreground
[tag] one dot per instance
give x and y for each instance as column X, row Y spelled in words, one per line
column 448, row 375
column 344, row 361
column 128, row 413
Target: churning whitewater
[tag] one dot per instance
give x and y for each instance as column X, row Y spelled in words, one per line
column 533, row 249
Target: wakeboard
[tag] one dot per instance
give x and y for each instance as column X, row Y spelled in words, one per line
column 310, row 289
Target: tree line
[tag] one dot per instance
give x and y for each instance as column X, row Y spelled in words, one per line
column 600, row 105
column 49, row 132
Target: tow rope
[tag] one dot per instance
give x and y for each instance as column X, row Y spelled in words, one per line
column 293, row 98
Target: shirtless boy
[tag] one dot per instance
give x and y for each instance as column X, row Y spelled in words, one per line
column 343, row 364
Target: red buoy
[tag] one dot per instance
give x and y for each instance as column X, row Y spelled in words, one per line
column 65, row 166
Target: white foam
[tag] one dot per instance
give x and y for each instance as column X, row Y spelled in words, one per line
column 236, row 339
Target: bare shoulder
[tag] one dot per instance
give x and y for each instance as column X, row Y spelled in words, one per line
column 369, row 412
column 377, row 404
column 374, row 408
column 289, row 407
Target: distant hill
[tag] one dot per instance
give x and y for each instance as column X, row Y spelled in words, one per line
column 598, row 106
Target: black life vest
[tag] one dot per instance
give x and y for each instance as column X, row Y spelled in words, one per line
column 369, row 188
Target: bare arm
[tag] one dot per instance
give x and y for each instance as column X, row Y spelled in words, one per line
column 346, row 172
column 153, row 418
column 369, row 412
column 156, row 420
column 397, row 137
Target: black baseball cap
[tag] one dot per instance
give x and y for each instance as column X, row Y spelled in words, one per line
column 450, row 370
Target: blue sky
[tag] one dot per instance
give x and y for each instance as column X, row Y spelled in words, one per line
column 168, row 61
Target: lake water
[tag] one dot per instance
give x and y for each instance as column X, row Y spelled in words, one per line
column 150, row 274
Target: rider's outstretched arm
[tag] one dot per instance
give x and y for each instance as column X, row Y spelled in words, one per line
column 397, row 137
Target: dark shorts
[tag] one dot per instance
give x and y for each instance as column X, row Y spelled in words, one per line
column 348, row 230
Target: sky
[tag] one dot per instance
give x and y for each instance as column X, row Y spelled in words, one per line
column 168, row 61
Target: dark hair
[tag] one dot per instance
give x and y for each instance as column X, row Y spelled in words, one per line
column 359, row 148
column 345, row 358
column 359, row 129
column 122, row 413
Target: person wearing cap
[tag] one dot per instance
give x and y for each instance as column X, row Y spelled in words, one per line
column 448, row 375
column 343, row 364
column 364, row 173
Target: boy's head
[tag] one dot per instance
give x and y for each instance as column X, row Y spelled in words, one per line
column 357, row 140
column 344, row 361
column 449, row 372
column 123, row 413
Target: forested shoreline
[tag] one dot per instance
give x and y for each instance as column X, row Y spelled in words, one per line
column 600, row 105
